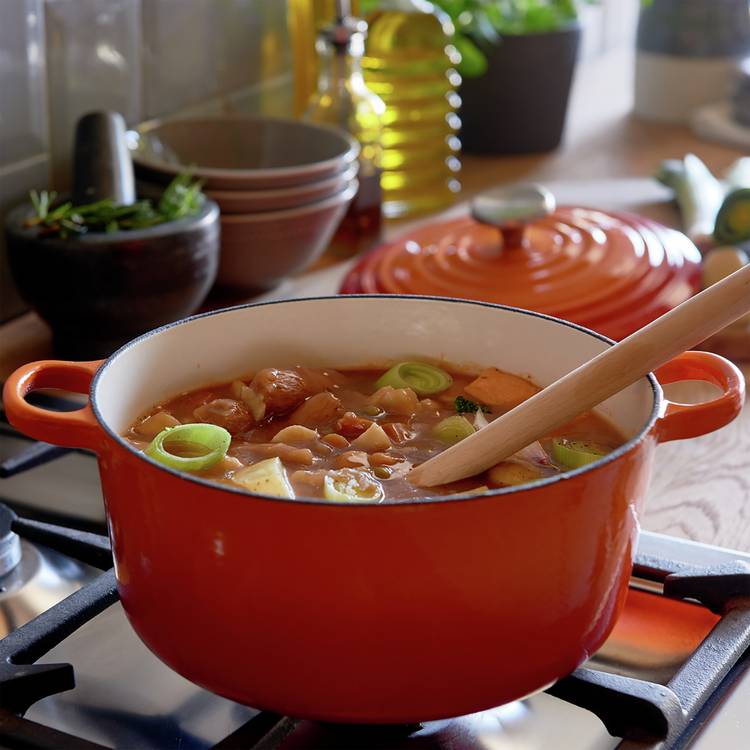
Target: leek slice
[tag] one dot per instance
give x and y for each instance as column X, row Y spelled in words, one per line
column 422, row 378
column 349, row 484
column 453, row 429
column 207, row 442
column 576, row 453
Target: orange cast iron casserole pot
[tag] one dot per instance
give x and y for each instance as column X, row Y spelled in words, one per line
column 396, row 612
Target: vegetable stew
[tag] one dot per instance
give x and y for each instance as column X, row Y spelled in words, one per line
column 347, row 435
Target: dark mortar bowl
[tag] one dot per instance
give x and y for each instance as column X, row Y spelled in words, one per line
column 99, row 290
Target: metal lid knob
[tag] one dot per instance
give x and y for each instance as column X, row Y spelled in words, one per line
column 510, row 208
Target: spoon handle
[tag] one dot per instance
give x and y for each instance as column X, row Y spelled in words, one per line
column 593, row 382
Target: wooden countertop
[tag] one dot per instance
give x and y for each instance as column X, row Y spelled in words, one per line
column 701, row 487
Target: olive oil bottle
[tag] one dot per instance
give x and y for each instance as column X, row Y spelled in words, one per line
column 409, row 63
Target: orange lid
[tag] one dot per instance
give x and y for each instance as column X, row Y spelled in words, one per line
column 612, row 272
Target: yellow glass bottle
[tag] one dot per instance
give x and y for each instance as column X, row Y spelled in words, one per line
column 343, row 100
column 409, row 63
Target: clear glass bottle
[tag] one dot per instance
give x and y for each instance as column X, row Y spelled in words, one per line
column 304, row 19
column 409, row 62
column 343, row 100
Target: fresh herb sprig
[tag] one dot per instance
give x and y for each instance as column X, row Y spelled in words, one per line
column 182, row 197
column 467, row 406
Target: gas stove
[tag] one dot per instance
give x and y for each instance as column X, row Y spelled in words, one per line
column 73, row 674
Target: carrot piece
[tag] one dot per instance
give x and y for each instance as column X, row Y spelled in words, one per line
column 501, row 389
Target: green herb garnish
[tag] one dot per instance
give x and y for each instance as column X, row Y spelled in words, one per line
column 467, row 406
column 182, row 197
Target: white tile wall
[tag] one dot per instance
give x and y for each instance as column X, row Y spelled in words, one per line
column 143, row 58
column 233, row 46
column 23, row 119
column 93, row 62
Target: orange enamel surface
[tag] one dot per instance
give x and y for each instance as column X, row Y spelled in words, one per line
column 77, row 429
column 682, row 421
column 647, row 627
column 612, row 272
column 384, row 613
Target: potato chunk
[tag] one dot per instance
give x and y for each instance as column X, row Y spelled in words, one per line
column 509, row 473
column 267, row 477
column 232, row 415
column 372, row 440
column 153, row 425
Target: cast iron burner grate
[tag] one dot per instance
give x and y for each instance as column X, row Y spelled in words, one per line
column 645, row 714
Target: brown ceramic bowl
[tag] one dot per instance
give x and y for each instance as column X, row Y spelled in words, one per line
column 241, row 152
column 259, row 250
column 278, row 199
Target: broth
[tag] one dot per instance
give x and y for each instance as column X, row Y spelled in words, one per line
column 345, row 435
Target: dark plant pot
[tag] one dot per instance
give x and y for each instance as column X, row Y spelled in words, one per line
column 518, row 106
column 98, row 291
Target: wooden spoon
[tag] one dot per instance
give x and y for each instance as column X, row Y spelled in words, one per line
column 595, row 381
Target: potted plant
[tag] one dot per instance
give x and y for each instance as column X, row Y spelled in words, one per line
column 518, row 58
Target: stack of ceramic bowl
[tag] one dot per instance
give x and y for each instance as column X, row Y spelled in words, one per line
column 283, row 187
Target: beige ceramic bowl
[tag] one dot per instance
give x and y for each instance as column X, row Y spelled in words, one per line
column 259, row 250
column 241, row 152
column 255, row 201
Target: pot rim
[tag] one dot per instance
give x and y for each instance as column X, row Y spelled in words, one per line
column 489, row 495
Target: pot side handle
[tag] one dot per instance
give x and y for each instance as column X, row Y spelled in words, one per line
column 680, row 421
column 72, row 429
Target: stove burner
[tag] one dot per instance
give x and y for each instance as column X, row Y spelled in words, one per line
column 10, row 543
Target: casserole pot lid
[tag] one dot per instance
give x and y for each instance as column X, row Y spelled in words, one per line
column 612, row 272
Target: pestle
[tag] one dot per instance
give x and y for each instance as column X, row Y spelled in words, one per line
column 102, row 167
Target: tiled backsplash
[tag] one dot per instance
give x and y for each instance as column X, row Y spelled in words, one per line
column 143, row 58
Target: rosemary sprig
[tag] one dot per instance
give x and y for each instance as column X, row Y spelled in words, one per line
column 182, row 197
